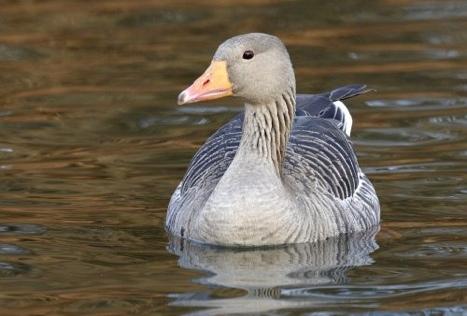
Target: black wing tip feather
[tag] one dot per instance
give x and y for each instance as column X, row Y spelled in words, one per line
column 349, row 91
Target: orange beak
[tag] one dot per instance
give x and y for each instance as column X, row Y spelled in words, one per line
column 213, row 84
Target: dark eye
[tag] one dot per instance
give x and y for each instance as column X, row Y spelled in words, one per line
column 248, row 54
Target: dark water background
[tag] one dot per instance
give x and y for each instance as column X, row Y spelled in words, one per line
column 92, row 144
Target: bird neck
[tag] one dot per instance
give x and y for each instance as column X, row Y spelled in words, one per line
column 266, row 128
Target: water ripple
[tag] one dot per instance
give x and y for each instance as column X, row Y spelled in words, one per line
column 437, row 103
column 148, row 122
column 9, row 269
column 7, row 249
column 399, row 136
column 363, row 292
column 21, row 229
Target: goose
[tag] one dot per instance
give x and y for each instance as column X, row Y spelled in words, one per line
column 281, row 172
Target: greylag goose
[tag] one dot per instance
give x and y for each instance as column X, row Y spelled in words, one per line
column 284, row 170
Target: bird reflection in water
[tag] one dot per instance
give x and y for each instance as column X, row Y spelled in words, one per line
column 273, row 278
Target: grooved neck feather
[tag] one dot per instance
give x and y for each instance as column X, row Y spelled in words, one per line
column 266, row 128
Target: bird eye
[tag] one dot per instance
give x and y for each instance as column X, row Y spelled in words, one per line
column 248, row 54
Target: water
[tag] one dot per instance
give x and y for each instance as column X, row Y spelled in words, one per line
column 92, row 144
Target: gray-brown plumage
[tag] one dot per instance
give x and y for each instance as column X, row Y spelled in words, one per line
column 284, row 170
